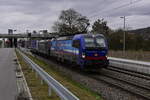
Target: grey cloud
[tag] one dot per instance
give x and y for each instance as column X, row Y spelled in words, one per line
column 38, row 14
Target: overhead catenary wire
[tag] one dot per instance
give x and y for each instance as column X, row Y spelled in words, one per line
column 97, row 8
column 115, row 8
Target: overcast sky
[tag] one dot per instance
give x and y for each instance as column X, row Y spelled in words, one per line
column 41, row 14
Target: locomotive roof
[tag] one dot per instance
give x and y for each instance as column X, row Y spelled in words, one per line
column 78, row 35
column 89, row 35
column 65, row 38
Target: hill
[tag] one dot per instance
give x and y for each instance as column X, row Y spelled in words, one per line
column 145, row 32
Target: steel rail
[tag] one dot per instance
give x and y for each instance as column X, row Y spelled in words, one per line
column 124, row 86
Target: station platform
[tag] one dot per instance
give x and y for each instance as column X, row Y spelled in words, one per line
column 8, row 85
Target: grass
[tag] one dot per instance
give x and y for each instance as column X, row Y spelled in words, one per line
column 134, row 55
column 77, row 89
column 38, row 91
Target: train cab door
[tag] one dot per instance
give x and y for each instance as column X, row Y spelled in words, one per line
column 76, row 44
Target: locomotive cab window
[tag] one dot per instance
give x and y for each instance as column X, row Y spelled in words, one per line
column 76, row 43
column 100, row 41
column 95, row 42
column 89, row 42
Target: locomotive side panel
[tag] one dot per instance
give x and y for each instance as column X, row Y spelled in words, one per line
column 62, row 49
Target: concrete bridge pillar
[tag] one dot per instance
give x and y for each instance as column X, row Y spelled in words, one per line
column 15, row 42
column 10, row 42
column 3, row 43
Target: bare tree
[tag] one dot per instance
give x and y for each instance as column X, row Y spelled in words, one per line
column 70, row 22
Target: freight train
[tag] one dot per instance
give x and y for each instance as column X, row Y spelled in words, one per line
column 85, row 50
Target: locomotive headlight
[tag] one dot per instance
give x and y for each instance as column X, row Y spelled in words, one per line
column 83, row 55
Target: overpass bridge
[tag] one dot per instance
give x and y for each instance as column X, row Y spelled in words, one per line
column 42, row 36
column 13, row 38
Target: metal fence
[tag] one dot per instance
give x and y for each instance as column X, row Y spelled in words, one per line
column 60, row 90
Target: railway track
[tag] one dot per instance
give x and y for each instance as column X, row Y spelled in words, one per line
column 129, row 72
column 125, row 80
column 132, row 82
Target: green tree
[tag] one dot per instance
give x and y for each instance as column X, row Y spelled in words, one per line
column 100, row 26
column 70, row 22
column 147, row 47
column 139, row 42
column 116, row 40
column 133, row 41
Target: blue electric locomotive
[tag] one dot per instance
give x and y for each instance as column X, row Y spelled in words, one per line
column 86, row 50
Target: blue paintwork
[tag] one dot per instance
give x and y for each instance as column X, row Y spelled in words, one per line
column 34, row 44
column 81, row 61
column 65, row 46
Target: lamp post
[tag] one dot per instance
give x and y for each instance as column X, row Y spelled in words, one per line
column 124, row 35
